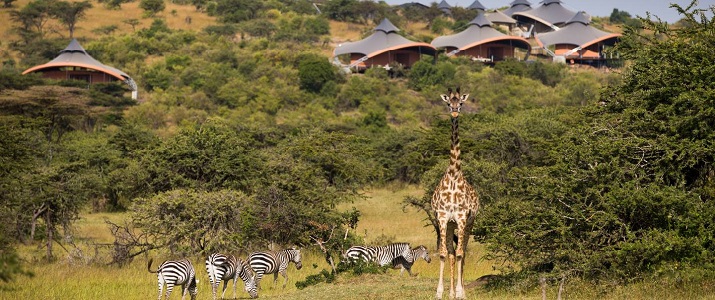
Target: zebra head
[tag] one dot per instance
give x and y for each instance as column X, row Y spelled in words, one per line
column 421, row 251
column 295, row 257
column 249, row 280
column 404, row 250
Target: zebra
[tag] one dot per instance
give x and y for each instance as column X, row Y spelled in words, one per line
column 225, row 267
column 403, row 264
column 176, row 272
column 382, row 255
column 355, row 253
column 274, row 262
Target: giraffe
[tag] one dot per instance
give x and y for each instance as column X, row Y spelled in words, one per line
column 455, row 204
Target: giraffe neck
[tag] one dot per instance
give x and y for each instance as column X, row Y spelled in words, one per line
column 455, row 165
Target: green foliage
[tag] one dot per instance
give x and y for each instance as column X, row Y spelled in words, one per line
column 235, row 11
column 424, row 74
column 340, row 10
column 13, row 79
column 69, row 13
column 196, row 222
column 626, row 190
column 152, row 7
column 548, row 73
column 619, row 16
column 323, row 276
column 204, row 157
column 314, row 72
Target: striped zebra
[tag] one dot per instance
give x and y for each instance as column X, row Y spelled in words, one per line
column 225, row 267
column 176, row 272
column 382, row 255
column 273, row 263
column 417, row 253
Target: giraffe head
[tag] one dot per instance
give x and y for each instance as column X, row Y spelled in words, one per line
column 454, row 101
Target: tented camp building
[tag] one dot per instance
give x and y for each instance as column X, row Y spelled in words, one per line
column 547, row 17
column 482, row 42
column 384, row 47
column 517, row 6
column 578, row 40
column 74, row 63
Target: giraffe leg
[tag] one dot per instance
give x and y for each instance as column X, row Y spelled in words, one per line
column 451, row 276
column 442, row 256
column 460, row 258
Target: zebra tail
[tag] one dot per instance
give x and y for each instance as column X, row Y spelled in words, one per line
column 148, row 266
column 211, row 269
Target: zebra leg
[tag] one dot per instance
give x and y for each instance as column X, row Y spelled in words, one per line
column 169, row 287
column 214, row 287
column 258, row 280
column 184, row 290
column 285, row 277
column 275, row 279
column 225, row 285
column 235, row 278
column 161, row 287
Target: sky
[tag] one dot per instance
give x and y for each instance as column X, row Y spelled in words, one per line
column 599, row 8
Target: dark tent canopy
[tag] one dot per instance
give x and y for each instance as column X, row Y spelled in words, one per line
column 550, row 15
column 499, row 17
column 477, row 5
column 517, row 6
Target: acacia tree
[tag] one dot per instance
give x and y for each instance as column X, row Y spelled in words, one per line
column 33, row 18
column 69, row 13
column 152, row 7
column 54, row 189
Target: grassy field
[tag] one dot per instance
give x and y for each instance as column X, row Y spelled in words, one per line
column 382, row 218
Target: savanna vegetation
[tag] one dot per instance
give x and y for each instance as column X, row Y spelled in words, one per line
column 246, row 137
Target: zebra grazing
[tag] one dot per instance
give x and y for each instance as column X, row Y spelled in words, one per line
column 274, row 262
column 225, row 267
column 417, row 253
column 382, row 255
column 179, row 272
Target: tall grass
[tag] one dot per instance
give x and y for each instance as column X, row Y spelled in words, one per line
column 382, row 218
column 99, row 16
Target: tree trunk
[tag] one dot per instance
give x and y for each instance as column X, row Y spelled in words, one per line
column 35, row 216
column 49, row 235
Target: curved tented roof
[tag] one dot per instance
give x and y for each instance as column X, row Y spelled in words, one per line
column 385, row 38
column 479, row 32
column 517, row 6
column 499, row 17
column 550, row 13
column 578, row 32
column 75, row 56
